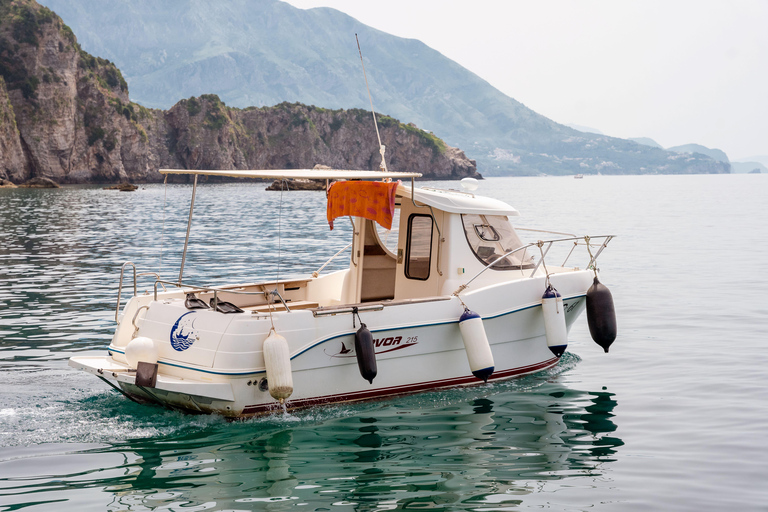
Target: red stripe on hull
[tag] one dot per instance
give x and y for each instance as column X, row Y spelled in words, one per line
column 251, row 410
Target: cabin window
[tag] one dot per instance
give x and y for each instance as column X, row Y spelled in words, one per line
column 418, row 247
column 492, row 236
column 388, row 237
column 487, row 233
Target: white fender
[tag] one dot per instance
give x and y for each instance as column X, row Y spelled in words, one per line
column 476, row 344
column 140, row 349
column 277, row 359
column 554, row 321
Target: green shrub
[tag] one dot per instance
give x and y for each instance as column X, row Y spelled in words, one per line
column 87, row 61
column 45, row 15
column 25, row 25
column 214, row 119
column 298, row 119
column 96, row 133
column 213, row 99
column 29, row 87
column 337, row 123
column 67, row 33
column 128, row 112
column 111, row 141
column 112, row 76
column 193, row 106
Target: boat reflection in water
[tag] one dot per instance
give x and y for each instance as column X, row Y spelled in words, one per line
column 496, row 450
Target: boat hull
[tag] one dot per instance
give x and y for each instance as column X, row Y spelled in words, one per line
column 418, row 345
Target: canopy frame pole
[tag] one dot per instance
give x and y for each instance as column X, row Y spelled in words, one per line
column 189, row 226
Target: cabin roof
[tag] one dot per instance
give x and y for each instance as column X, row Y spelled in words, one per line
column 454, row 201
column 451, row 201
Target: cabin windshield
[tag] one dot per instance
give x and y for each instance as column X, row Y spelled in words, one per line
column 389, row 237
column 491, row 236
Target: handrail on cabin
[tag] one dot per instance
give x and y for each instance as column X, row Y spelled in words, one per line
column 316, row 273
column 541, row 244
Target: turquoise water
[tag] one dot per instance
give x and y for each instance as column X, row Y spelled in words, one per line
column 674, row 418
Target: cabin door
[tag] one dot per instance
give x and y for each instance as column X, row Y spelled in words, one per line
column 377, row 264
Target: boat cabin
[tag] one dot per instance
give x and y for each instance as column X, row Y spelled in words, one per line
column 439, row 239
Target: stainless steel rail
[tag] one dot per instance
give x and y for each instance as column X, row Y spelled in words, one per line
column 217, row 290
column 120, row 288
column 120, row 285
column 541, row 244
column 545, row 231
column 316, row 273
column 340, row 310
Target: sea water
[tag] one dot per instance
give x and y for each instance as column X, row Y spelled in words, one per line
column 675, row 417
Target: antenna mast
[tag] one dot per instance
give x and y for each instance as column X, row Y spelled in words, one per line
column 382, row 147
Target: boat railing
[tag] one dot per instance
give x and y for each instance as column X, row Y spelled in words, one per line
column 543, row 247
column 316, row 273
column 546, row 231
column 135, row 285
column 217, row 290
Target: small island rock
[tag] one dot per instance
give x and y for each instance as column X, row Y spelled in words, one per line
column 40, row 182
column 123, row 187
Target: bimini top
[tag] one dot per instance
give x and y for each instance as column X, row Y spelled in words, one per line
column 453, row 201
column 311, row 174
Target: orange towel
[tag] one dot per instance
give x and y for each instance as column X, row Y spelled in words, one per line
column 374, row 200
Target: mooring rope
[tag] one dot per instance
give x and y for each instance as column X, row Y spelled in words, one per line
column 543, row 263
column 382, row 148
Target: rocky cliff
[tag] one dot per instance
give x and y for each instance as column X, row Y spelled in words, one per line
column 66, row 115
column 204, row 134
column 11, row 153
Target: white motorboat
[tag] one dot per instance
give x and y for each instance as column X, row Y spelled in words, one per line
column 460, row 300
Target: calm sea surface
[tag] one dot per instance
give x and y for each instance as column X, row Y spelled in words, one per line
column 674, row 418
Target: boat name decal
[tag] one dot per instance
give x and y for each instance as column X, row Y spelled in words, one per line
column 570, row 308
column 183, row 333
column 381, row 346
column 386, row 342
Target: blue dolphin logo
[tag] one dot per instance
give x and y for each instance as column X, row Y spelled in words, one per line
column 183, row 333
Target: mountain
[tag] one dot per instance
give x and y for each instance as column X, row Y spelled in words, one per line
column 748, row 167
column 66, row 115
column 693, row 149
column 646, row 141
column 763, row 159
column 264, row 52
column 585, row 129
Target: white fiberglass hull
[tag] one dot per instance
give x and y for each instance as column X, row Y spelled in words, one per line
column 219, row 367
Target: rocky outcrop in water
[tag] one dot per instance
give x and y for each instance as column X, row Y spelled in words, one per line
column 40, row 182
column 66, row 115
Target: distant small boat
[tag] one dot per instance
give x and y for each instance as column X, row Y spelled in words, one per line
column 578, row 176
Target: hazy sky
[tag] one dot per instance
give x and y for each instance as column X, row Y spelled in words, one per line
column 677, row 71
